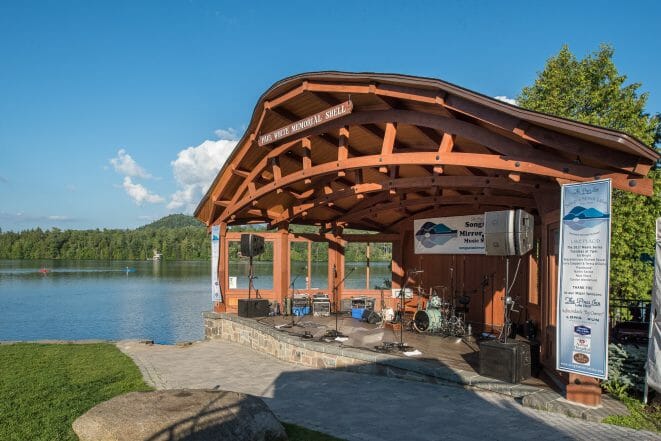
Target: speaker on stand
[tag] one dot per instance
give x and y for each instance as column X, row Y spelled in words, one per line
column 507, row 233
column 252, row 245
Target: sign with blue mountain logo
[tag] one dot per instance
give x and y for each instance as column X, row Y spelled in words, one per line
column 216, row 295
column 584, row 261
column 449, row 235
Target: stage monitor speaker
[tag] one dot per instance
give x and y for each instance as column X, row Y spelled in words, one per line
column 251, row 245
column 510, row 362
column 508, row 232
column 254, row 308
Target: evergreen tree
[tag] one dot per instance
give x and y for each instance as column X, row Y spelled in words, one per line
column 592, row 91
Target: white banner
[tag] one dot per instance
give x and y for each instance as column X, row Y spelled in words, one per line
column 654, row 348
column 584, row 261
column 216, row 295
column 449, row 235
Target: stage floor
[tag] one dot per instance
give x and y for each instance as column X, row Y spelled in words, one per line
column 453, row 352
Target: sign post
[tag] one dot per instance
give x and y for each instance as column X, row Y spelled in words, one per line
column 584, row 260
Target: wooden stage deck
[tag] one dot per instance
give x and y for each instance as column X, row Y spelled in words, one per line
column 460, row 354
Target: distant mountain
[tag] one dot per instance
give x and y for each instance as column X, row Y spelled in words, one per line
column 174, row 221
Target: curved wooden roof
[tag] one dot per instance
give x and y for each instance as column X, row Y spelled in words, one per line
column 409, row 146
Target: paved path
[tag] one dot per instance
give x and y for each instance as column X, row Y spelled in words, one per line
column 360, row 407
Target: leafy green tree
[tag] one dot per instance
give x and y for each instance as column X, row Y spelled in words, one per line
column 591, row 90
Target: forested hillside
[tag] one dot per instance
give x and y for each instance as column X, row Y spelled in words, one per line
column 177, row 237
column 175, row 242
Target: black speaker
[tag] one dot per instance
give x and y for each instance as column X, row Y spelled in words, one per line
column 251, row 245
column 510, row 362
column 254, row 308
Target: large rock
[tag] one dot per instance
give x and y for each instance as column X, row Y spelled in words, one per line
column 190, row 415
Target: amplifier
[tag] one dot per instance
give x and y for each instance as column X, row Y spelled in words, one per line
column 510, row 362
column 300, row 301
column 253, row 308
column 321, row 308
column 362, row 302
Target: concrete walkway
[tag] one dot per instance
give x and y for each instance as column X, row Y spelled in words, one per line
column 360, row 407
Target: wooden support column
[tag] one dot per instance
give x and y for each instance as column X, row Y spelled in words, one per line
column 367, row 268
column 335, row 267
column 388, row 143
column 307, row 157
column 398, row 262
column 222, row 270
column 343, row 147
column 584, row 390
column 277, row 174
column 446, row 146
column 281, row 269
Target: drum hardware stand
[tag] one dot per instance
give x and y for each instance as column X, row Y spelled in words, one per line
column 336, row 333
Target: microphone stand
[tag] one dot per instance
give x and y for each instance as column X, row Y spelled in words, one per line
column 402, row 312
column 293, row 289
column 336, row 333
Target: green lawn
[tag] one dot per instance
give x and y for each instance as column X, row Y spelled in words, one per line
column 44, row 388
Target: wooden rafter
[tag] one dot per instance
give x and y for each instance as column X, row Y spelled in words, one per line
column 505, row 201
column 544, row 168
column 532, row 147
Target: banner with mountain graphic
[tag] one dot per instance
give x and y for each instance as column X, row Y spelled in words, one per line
column 654, row 346
column 584, row 261
column 216, row 295
column 449, row 235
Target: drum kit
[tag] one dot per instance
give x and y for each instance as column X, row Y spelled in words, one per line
column 440, row 316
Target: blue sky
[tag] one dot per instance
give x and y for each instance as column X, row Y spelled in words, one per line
column 116, row 113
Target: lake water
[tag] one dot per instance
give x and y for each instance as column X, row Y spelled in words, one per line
column 160, row 301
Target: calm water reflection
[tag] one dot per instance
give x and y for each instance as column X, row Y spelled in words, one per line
column 160, row 301
column 90, row 299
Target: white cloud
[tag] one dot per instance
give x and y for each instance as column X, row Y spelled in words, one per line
column 139, row 193
column 228, row 134
column 125, row 165
column 507, row 100
column 21, row 217
column 196, row 167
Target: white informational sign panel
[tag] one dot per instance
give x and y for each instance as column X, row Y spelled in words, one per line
column 216, row 295
column 584, row 262
column 449, row 235
column 654, row 348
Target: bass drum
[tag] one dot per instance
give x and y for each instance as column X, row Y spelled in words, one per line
column 428, row 321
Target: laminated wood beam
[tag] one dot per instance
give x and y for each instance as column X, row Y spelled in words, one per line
column 509, row 164
column 505, row 201
column 402, row 184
